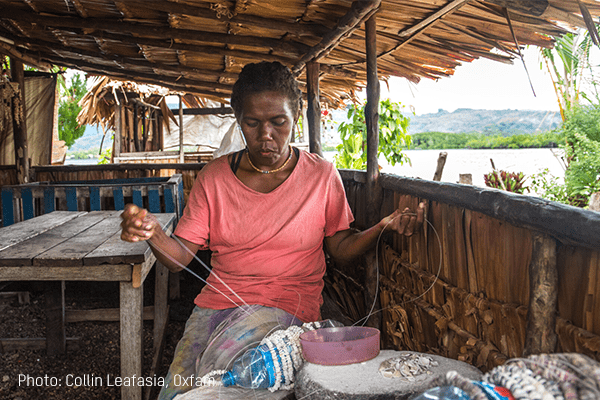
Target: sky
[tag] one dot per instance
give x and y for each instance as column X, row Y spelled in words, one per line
column 481, row 84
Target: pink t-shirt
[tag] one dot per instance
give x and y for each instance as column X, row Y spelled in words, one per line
column 267, row 247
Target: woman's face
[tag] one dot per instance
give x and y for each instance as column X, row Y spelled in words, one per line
column 267, row 121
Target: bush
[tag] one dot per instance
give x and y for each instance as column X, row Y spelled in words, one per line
column 509, row 181
column 581, row 132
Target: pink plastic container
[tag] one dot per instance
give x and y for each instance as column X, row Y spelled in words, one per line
column 340, row 346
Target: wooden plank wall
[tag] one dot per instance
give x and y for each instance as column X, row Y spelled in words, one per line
column 8, row 175
column 460, row 288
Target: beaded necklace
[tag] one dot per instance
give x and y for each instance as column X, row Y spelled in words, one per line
column 272, row 171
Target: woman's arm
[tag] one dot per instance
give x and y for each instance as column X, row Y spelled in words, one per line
column 138, row 224
column 346, row 245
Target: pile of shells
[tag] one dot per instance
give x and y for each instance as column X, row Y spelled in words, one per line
column 407, row 367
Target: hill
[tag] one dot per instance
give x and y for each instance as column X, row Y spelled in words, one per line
column 466, row 120
column 461, row 120
column 92, row 137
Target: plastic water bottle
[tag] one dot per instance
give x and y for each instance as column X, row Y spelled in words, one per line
column 443, row 393
column 253, row 370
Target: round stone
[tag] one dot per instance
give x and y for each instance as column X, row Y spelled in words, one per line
column 365, row 381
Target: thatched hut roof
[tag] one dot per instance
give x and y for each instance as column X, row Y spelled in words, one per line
column 199, row 46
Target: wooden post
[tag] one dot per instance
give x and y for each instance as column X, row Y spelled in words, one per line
column 56, row 342
column 372, row 122
column 118, row 130
column 19, row 114
column 136, row 133
column 313, row 111
column 465, row 179
column 131, row 305
column 374, row 191
column 181, row 153
column 541, row 334
column 437, row 176
column 595, row 201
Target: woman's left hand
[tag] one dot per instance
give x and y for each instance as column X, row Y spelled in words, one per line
column 405, row 222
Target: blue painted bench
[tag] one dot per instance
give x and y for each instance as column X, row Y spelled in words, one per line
column 22, row 202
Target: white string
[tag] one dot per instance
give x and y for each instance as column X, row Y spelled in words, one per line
column 196, row 275
column 209, row 270
column 366, row 318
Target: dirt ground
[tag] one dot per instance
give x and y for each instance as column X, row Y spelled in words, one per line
column 31, row 374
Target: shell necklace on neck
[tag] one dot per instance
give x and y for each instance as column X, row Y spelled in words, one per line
column 272, row 171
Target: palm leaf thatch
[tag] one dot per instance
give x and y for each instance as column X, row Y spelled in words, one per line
column 199, row 46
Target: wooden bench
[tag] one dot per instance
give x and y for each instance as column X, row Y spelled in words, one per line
column 23, row 202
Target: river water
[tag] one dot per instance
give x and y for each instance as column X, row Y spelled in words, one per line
column 475, row 162
column 461, row 161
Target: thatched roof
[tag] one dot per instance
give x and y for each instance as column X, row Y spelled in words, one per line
column 199, row 46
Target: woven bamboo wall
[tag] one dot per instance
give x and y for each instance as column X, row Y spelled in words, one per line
column 460, row 287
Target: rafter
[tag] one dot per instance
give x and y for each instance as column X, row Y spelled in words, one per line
column 359, row 11
column 124, row 61
column 148, row 30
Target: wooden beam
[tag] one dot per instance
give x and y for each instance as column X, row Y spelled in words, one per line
column 103, row 314
column 206, row 111
column 347, row 24
column 570, row 225
column 80, row 8
column 13, row 52
column 197, row 10
column 16, row 344
column 207, row 49
column 26, row 45
column 336, row 71
column 102, row 24
column 412, row 32
column 541, row 336
column 19, row 113
column 135, row 75
column 447, row 9
column 313, row 108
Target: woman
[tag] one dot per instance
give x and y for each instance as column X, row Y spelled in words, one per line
column 265, row 213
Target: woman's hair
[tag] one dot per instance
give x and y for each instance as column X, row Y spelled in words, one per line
column 266, row 76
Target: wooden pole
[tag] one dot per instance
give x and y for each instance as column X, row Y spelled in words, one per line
column 437, row 176
column 374, row 192
column 181, row 153
column 136, row 133
column 313, row 111
column 372, row 122
column 118, row 130
column 541, row 334
column 595, row 201
column 19, row 114
column 360, row 10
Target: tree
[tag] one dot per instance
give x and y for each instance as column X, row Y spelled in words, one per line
column 393, row 136
column 569, row 66
column 68, row 127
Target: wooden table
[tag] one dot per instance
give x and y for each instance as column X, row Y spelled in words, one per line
column 86, row 246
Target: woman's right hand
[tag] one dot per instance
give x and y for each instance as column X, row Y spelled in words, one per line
column 138, row 224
